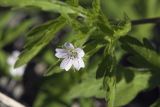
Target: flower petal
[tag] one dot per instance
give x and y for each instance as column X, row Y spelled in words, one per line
column 61, row 53
column 78, row 63
column 81, row 63
column 61, row 50
column 68, row 45
column 66, row 64
column 80, row 52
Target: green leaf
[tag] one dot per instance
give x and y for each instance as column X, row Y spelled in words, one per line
column 73, row 2
column 52, row 62
column 3, row 62
column 145, row 56
column 104, row 25
column 148, row 55
column 53, row 69
column 4, row 19
column 56, row 6
column 92, row 47
column 80, row 38
column 38, row 38
column 148, row 44
column 86, row 89
column 86, row 102
column 130, row 84
column 96, row 4
column 121, row 27
column 89, row 86
column 13, row 33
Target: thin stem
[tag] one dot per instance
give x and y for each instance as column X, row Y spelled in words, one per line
column 146, row 21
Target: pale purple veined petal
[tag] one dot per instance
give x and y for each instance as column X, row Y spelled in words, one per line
column 69, row 45
column 80, row 52
column 61, row 55
column 72, row 56
column 78, row 63
column 81, row 62
column 66, row 64
column 61, row 50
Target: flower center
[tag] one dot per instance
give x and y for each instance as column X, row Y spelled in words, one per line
column 73, row 53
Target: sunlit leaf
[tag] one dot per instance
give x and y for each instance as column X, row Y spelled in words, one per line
column 55, row 6
column 38, row 38
column 131, row 84
column 87, row 89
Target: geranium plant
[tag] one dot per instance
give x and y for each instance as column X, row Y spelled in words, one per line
column 94, row 47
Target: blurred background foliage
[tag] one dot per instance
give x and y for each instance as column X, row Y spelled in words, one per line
column 138, row 80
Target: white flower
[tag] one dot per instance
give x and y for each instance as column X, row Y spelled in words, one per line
column 71, row 56
column 11, row 61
